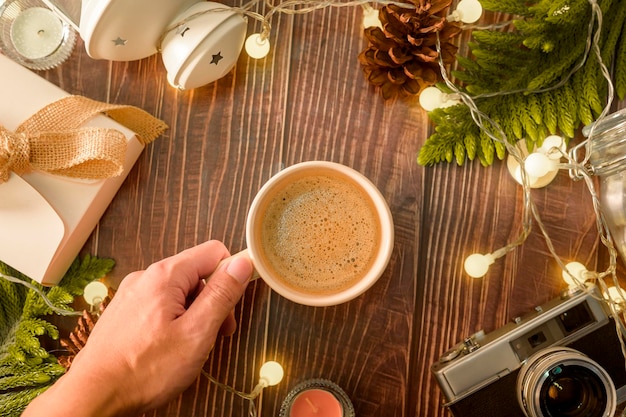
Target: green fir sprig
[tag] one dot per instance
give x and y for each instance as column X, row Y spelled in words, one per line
column 522, row 67
column 26, row 368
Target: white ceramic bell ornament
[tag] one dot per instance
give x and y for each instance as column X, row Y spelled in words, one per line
column 200, row 41
column 204, row 48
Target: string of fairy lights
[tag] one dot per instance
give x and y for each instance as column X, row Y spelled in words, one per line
column 544, row 161
column 257, row 45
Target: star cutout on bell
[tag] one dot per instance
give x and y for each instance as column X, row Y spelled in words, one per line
column 217, row 58
column 119, row 41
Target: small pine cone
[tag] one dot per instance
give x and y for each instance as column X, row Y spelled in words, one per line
column 78, row 337
column 402, row 57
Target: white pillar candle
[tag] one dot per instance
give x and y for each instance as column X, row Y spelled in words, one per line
column 37, row 33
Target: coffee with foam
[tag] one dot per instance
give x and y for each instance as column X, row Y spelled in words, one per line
column 319, row 233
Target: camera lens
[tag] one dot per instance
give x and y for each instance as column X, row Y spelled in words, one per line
column 562, row 382
column 572, row 391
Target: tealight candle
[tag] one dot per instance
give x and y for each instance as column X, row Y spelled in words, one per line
column 317, row 398
column 37, row 33
column 316, row 403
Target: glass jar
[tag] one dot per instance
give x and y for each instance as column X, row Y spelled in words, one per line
column 608, row 162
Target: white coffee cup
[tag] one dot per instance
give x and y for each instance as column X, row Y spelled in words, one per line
column 313, row 267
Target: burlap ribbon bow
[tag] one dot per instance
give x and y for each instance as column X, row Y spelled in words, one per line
column 52, row 140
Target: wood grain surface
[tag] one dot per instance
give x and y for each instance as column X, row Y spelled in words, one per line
column 309, row 100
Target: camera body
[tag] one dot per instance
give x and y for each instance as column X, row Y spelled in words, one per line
column 494, row 374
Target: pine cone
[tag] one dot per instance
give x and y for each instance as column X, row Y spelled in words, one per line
column 78, row 337
column 402, row 57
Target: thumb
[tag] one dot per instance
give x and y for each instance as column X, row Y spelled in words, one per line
column 222, row 292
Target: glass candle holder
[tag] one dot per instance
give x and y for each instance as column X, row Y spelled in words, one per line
column 317, row 398
column 34, row 35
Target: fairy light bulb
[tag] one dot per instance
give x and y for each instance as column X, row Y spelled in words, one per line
column 271, row 373
column 541, row 166
column 467, row 11
column 476, row 265
column 95, row 292
column 577, row 274
column 432, row 98
column 517, row 175
column 370, row 18
column 615, row 295
column 257, row 46
column 537, row 164
column 553, row 146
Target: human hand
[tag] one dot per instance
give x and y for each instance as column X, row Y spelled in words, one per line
column 154, row 337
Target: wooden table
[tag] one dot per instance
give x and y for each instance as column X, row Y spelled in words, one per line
column 309, row 100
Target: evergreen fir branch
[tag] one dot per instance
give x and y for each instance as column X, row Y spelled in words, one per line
column 470, row 141
column 501, row 120
column 615, row 25
column 436, row 150
column 459, row 153
column 506, row 42
column 83, row 271
column 534, row 108
column 468, row 77
column 501, row 124
column 543, row 48
column 566, row 118
column 562, row 62
column 440, row 146
column 518, row 7
column 567, row 13
column 11, row 307
column 592, row 83
column 500, row 110
column 494, row 69
column 548, row 110
column 588, row 95
column 27, row 347
column 539, row 34
column 528, row 124
column 27, row 343
column 532, row 132
column 26, row 368
column 48, row 366
column 8, row 368
column 487, row 59
column 487, row 148
column 13, row 403
column 35, row 305
column 25, row 379
column 611, row 51
column 517, row 129
column 500, row 150
column 620, row 68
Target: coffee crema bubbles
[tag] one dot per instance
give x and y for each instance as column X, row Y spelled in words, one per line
column 320, row 233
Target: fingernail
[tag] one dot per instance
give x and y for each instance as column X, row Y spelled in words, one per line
column 240, row 268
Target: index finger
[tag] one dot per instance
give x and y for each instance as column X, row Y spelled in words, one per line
column 191, row 265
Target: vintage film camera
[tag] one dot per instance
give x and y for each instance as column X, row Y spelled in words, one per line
column 564, row 359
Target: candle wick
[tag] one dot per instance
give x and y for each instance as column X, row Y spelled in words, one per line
column 313, row 407
column 41, row 32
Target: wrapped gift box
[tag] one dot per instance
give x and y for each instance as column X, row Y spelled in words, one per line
column 46, row 219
